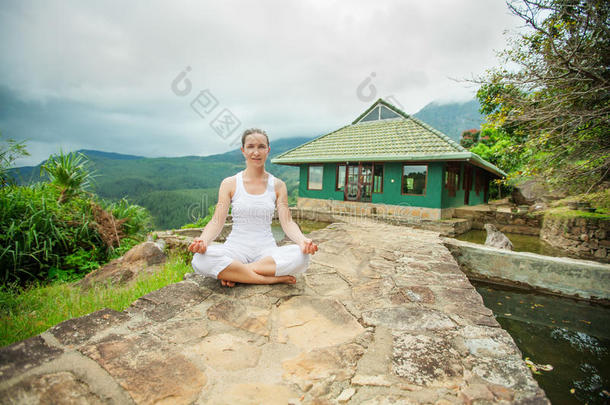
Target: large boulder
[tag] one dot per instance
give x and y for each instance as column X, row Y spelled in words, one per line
column 147, row 256
column 534, row 189
column 497, row 239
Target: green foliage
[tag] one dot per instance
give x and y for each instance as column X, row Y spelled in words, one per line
column 555, row 103
column 27, row 312
column 36, row 232
column 201, row 222
column 173, row 208
column 69, row 172
column 9, row 152
column 175, row 191
column 566, row 213
column 138, row 219
column 469, row 138
column 42, row 239
column 501, row 149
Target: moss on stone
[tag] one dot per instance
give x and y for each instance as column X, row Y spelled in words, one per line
column 564, row 212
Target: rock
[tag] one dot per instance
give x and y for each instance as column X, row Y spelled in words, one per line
column 336, row 363
column 312, row 322
column 254, row 394
column 476, row 392
column 168, row 301
column 370, row 323
column 78, row 330
column 531, row 190
column 150, row 252
column 408, row 319
column 182, row 331
column 345, row 395
column 135, row 361
column 226, row 352
column 425, row 360
column 61, row 387
column 147, row 256
column 497, row 239
column 374, row 380
column 250, row 318
column 25, row 355
column 539, row 206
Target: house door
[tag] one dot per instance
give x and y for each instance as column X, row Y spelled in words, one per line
column 359, row 182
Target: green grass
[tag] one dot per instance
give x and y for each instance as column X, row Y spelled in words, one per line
column 599, row 200
column 29, row 312
column 566, row 213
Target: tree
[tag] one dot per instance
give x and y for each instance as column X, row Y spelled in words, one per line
column 10, row 150
column 69, row 172
column 556, row 103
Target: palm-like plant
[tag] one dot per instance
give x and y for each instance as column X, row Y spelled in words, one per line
column 69, row 172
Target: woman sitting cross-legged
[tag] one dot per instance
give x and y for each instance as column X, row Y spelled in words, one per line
column 250, row 254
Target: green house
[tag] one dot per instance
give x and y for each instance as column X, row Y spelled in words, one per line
column 387, row 162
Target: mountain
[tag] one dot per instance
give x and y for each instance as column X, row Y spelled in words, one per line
column 175, row 190
column 452, row 118
column 179, row 190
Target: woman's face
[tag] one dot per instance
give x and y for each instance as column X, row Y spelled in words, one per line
column 255, row 149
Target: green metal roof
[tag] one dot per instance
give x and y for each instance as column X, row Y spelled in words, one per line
column 396, row 139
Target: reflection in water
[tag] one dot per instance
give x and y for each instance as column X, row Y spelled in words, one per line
column 572, row 336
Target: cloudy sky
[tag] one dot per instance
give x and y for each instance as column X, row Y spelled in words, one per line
column 186, row 77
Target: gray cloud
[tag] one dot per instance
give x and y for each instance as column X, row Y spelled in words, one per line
column 97, row 75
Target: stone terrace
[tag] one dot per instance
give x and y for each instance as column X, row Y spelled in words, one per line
column 383, row 316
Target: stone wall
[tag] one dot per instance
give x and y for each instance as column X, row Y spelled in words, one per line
column 367, row 209
column 446, row 227
column 588, row 238
column 559, row 275
column 510, row 222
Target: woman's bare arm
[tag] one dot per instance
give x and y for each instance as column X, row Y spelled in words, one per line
column 291, row 228
column 214, row 227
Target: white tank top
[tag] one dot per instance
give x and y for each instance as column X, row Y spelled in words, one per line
column 252, row 213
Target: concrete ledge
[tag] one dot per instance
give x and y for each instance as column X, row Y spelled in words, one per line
column 559, row 275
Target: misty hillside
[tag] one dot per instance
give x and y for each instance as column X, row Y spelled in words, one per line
column 452, row 118
column 179, row 190
column 175, row 190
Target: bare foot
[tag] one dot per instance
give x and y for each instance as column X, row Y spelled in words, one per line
column 226, row 283
column 287, row 279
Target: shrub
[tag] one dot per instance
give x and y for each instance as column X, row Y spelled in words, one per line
column 43, row 239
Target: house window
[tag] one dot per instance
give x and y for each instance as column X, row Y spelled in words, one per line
column 386, row 113
column 452, row 178
column 314, row 177
column 372, row 116
column 380, row 112
column 414, row 178
column 340, row 184
column 378, row 179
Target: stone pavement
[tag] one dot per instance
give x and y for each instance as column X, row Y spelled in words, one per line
column 383, row 316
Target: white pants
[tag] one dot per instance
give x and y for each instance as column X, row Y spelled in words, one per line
column 289, row 260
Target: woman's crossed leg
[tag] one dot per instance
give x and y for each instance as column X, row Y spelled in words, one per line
column 259, row 272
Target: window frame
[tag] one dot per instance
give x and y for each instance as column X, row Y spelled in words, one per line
column 375, row 165
column 337, row 177
column 321, row 182
column 453, row 169
column 402, row 175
